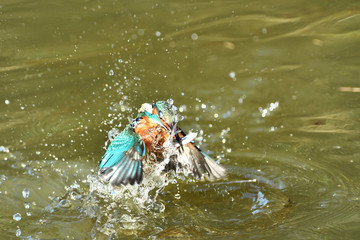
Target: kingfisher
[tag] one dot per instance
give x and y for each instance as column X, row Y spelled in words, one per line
column 147, row 140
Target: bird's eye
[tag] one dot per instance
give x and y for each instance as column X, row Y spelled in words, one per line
column 161, row 115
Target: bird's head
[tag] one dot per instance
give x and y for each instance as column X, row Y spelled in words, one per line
column 167, row 113
column 162, row 112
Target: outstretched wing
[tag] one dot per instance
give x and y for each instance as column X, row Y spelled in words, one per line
column 122, row 162
column 201, row 163
column 192, row 159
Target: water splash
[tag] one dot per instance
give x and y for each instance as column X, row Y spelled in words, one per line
column 125, row 208
column 270, row 108
column 143, row 195
column 113, row 133
column 134, row 207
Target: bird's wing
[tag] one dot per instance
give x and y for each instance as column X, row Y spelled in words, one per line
column 122, row 162
column 201, row 163
column 193, row 159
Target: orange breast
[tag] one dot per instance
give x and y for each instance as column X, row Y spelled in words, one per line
column 153, row 135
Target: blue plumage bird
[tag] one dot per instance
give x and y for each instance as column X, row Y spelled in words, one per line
column 145, row 140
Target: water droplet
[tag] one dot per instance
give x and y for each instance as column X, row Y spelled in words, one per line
column 194, row 36
column 18, row 232
column 17, row 216
column 158, row 34
column 170, row 101
column 27, row 205
column 26, row 193
column 7, row 101
column 141, row 32
column 174, row 108
column 177, row 196
column 232, row 74
column 64, row 203
column 4, row 149
column 111, row 72
column 113, row 133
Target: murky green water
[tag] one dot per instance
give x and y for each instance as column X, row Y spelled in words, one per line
column 272, row 88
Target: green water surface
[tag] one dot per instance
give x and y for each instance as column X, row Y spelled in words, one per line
column 271, row 87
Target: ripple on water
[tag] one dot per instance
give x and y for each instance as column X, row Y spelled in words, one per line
column 318, row 192
column 170, row 204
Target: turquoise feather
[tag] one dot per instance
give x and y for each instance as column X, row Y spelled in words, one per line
column 121, row 164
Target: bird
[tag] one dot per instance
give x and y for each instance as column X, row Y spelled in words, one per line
column 147, row 140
